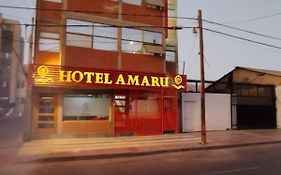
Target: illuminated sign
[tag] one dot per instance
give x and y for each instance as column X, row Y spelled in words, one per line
column 44, row 75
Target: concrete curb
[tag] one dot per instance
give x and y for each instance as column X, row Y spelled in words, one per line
column 143, row 153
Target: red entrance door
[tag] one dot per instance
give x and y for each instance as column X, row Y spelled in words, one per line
column 145, row 114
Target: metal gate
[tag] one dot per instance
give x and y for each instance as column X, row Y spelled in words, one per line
column 145, row 113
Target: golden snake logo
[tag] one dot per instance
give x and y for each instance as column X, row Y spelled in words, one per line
column 42, row 75
column 178, row 80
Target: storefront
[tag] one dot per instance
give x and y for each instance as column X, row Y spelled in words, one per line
column 69, row 100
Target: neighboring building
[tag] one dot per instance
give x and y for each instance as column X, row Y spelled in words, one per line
column 12, row 79
column 100, row 68
column 256, row 97
column 172, row 40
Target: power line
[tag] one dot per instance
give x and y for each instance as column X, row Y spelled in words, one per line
column 243, row 30
column 126, row 14
column 242, row 38
column 102, row 26
column 94, row 12
column 254, row 19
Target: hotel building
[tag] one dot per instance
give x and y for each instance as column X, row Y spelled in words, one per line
column 105, row 68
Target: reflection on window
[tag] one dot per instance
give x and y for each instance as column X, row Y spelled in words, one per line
column 46, row 104
column 79, row 40
column 135, row 2
column 105, row 37
column 80, row 27
column 49, row 42
column 152, row 37
column 91, row 35
column 170, row 54
column 86, row 107
column 135, row 41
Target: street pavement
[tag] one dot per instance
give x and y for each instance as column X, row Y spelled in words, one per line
column 12, row 150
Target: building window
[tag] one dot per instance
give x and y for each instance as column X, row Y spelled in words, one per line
column 134, row 2
column 91, row 35
column 171, row 12
column 7, row 27
column 4, row 84
column 86, row 107
column 57, row 1
column 155, row 4
column 139, row 41
column 46, row 104
column 7, row 41
column 49, row 42
column 170, row 54
column 105, row 37
column 152, row 37
column 131, row 40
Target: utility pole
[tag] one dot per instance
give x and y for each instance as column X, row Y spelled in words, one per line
column 202, row 73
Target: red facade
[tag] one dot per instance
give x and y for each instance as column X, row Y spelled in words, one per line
column 108, row 77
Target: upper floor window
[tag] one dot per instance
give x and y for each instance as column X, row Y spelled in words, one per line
column 49, row 42
column 139, row 41
column 105, row 37
column 170, row 54
column 57, row 1
column 7, row 40
column 135, row 2
column 91, row 35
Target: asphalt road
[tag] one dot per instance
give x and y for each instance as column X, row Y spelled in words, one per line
column 256, row 160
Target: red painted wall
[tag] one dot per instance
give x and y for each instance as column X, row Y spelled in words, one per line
column 104, row 8
column 90, row 58
column 142, row 63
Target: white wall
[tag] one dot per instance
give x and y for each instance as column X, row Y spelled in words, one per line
column 278, row 105
column 218, row 112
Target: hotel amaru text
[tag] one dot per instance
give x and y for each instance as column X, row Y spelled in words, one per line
column 44, row 75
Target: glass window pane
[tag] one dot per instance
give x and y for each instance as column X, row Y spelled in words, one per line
column 86, row 107
column 131, row 46
column 49, row 35
column 152, row 37
column 46, row 118
column 171, row 12
column 105, row 30
column 170, row 56
column 45, row 125
column 81, row 27
column 51, row 45
column 104, row 43
column 135, row 2
column 79, row 40
column 131, row 34
column 46, row 104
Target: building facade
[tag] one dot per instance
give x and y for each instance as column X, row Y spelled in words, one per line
column 12, row 79
column 104, row 68
column 255, row 97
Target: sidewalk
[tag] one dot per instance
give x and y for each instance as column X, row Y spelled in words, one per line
column 111, row 147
